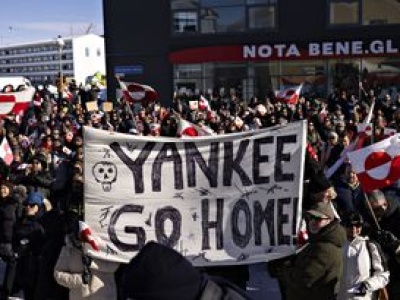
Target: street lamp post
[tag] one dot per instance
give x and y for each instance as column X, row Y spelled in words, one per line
column 60, row 43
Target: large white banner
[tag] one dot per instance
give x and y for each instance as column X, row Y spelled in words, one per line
column 227, row 199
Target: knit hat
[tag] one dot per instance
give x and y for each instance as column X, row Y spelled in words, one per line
column 322, row 210
column 318, row 183
column 35, row 198
column 8, row 184
column 158, row 272
column 354, row 218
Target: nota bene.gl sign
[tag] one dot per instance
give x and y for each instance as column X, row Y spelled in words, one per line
column 311, row 50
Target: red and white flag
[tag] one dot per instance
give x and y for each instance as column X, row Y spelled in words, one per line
column 194, row 105
column 187, row 129
column 16, row 102
column 290, row 95
column 364, row 128
column 377, row 166
column 87, row 236
column 136, row 92
column 203, row 103
column 5, row 152
column 388, row 132
column 356, row 144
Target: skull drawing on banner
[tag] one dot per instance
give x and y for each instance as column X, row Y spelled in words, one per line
column 105, row 173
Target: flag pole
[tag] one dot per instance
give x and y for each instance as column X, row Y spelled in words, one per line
column 372, row 212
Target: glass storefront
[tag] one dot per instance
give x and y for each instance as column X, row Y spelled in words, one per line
column 319, row 77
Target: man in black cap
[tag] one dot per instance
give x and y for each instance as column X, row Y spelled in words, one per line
column 158, row 272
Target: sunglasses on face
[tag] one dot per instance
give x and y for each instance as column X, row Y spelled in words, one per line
column 315, row 218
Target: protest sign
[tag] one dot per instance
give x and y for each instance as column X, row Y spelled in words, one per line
column 108, row 106
column 227, row 199
column 92, row 106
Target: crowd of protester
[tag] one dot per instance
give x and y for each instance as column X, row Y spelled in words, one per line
column 45, row 179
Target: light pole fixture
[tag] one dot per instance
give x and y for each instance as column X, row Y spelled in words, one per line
column 60, row 43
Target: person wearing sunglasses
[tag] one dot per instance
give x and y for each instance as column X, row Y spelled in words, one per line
column 365, row 270
column 315, row 271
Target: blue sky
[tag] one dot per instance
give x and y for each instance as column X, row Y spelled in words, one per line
column 33, row 20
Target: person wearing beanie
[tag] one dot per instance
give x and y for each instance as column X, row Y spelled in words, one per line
column 158, row 272
column 29, row 239
column 315, row 271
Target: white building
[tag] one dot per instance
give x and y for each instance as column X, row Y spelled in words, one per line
column 41, row 61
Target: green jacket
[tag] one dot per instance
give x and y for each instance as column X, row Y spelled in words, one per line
column 315, row 271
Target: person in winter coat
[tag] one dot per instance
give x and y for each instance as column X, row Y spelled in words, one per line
column 37, row 177
column 315, row 271
column 365, row 269
column 8, row 218
column 85, row 277
column 158, row 272
column 387, row 213
column 350, row 197
column 29, row 238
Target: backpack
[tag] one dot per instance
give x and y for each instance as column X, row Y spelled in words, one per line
column 382, row 293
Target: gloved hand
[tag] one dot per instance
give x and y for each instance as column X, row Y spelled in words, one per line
column 388, row 241
column 362, row 289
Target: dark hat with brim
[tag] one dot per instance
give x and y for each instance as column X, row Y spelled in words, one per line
column 322, row 210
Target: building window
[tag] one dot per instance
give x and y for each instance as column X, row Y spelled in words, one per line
column 261, row 17
column 344, row 12
column 210, row 16
column 184, row 4
column 185, row 21
column 224, row 19
column 87, row 52
column 380, row 12
column 364, row 12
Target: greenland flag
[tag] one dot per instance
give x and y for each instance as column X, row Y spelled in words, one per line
column 136, row 92
column 5, row 152
column 388, row 132
column 364, row 128
column 87, row 236
column 290, row 95
column 203, row 103
column 377, row 166
column 187, row 129
column 16, row 102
